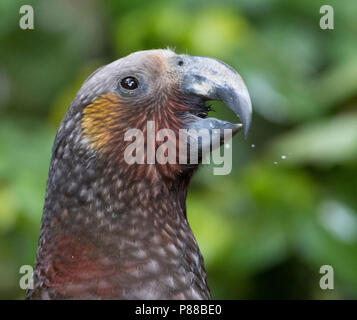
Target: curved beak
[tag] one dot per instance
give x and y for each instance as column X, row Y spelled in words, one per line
column 211, row 79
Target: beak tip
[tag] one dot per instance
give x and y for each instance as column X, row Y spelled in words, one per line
column 246, row 133
column 247, row 115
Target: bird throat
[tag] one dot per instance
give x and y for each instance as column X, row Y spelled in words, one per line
column 103, row 237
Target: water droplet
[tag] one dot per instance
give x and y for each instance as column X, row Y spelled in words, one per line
column 253, row 145
column 283, row 157
column 275, row 162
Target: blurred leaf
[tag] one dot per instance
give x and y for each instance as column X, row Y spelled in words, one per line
column 324, row 142
column 213, row 231
column 226, row 30
column 338, row 84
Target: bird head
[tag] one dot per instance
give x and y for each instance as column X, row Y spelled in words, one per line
column 111, row 229
column 169, row 90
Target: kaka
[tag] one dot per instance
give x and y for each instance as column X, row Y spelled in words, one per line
column 113, row 230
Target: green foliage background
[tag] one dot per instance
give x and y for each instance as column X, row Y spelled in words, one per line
column 264, row 230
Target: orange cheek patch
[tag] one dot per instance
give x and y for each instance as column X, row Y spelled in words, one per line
column 100, row 119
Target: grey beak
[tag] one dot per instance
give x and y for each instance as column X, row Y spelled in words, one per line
column 211, row 79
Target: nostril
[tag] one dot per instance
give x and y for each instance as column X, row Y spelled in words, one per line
column 180, row 63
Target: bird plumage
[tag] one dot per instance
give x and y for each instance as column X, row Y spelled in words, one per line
column 111, row 230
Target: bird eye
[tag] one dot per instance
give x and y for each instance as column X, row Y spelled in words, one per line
column 180, row 63
column 129, row 83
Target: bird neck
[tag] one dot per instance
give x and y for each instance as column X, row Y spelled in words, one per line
column 105, row 237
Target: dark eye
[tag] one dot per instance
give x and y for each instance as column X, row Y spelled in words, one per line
column 129, row 83
column 180, row 63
